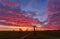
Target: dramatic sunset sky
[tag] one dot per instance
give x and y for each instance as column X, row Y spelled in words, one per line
column 39, row 6
column 23, row 12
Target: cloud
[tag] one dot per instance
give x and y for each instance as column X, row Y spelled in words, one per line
column 2, row 20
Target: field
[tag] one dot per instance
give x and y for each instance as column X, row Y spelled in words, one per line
column 45, row 35
column 36, row 35
column 11, row 34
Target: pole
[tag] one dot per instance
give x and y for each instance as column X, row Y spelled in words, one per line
column 34, row 32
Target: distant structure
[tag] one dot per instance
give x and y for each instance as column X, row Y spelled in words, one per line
column 53, row 13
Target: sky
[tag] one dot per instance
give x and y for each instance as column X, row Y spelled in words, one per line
column 39, row 6
column 22, row 12
column 27, row 12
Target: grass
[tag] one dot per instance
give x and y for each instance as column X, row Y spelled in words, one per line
column 37, row 35
column 45, row 35
column 11, row 35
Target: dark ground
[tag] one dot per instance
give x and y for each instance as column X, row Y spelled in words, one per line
column 45, row 35
column 37, row 35
column 11, row 34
